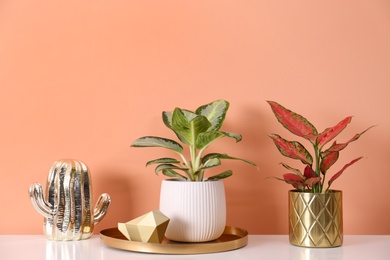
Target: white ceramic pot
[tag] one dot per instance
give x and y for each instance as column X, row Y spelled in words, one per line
column 197, row 210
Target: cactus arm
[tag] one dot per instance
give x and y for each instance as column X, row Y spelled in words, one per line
column 36, row 196
column 101, row 208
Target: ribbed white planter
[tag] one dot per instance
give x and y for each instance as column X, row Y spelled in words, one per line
column 197, row 210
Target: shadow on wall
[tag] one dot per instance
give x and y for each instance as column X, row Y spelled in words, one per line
column 120, row 190
column 253, row 199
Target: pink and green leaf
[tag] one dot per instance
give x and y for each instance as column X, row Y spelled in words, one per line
column 329, row 133
column 293, row 150
column 309, row 172
column 293, row 122
column 328, row 161
column 338, row 147
column 297, row 185
column 312, row 181
column 296, row 171
column 296, row 181
column 334, row 177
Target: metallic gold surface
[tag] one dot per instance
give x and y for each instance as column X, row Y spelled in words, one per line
column 148, row 228
column 232, row 238
column 315, row 219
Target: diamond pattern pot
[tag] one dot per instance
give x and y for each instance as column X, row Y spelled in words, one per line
column 315, row 219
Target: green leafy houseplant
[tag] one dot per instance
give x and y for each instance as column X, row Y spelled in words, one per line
column 198, row 130
column 317, row 166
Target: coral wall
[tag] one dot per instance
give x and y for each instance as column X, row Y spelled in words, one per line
column 83, row 79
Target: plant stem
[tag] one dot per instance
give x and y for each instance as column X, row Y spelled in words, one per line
column 194, row 164
column 318, row 187
column 187, row 164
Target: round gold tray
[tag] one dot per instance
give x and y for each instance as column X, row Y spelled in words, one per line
column 232, row 238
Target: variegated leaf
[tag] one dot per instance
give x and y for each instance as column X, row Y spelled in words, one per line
column 206, row 138
column 312, row 181
column 169, row 166
column 292, row 177
column 223, row 156
column 212, row 162
column 215, row 112
column 296, row 171
column 296, row 181
column 172, row 173
column 189, row 130
column 293, row 149
column 293, row 122
column 328, row 161
column 153, row 141
column 331, row 132
column 167, row 118
column 338, row 147
column 162, row 160
column 334, row 177
column 238, row 137
column 309, row 172
column 220, row 176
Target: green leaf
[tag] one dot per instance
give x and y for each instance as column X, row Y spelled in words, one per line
column 167, row 119
column 220, row 176
column 215, row 112
column 211, row 163
column 167, row 116
column 153, row 141
column 172, row 173
column 162, row 160
column 206, row 138
column 223, row 156
column 294, row 122
column 189, row 130
column 168, row 166
column 238, row 137
column 293, row 150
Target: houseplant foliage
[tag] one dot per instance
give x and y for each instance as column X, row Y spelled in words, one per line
column 315, row 211
column 320, row 160
column 197, row 130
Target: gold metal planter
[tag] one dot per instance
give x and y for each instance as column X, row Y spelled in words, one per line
column 316, row 219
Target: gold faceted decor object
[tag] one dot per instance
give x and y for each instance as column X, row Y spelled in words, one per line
column 316, row 219
column 148, row 228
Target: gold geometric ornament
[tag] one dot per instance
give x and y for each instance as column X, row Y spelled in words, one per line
column 148, row 228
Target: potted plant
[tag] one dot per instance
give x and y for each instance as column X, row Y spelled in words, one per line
column 194, row 202
column 315, row 210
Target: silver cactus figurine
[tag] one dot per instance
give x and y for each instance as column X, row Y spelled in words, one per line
column 67, row 208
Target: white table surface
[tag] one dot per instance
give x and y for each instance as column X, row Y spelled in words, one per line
column 273, row 247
